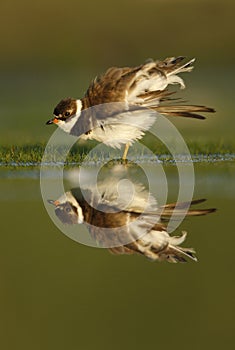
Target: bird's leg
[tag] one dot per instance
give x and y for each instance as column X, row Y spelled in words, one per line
column 125, row 151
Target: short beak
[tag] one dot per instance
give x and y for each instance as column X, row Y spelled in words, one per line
column 52, row 121
column 55, row 203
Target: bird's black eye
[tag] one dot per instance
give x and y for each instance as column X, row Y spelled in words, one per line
column 67, row 114
column 68, row 209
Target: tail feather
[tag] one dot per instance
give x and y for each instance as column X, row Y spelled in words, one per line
column 172, row 65
column 190, row 212
column 149, row 88
column 175, row 253
column 160, row 246
column 184, row 204
column 180, row 254
column 170, row 251
column 154, row 76
column 178, row 209
column 186, row 67
column 188, row 111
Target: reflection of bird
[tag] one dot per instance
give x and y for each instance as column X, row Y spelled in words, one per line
column 127, row 228
column 139, row 91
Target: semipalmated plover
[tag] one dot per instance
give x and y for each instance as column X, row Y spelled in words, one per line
column 124, row 103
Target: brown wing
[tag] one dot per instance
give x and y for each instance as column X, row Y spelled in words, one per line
column 113, row 84
column 145, row 86
column 110, row 87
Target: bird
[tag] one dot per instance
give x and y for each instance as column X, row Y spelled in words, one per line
column 127, row 219
column 122, row 104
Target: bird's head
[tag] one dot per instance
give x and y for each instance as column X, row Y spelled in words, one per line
column 65, row 113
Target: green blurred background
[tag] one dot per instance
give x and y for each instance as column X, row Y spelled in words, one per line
column 56, row 294
column 52, row 49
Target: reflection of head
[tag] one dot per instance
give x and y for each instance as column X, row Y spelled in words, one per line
column 67, row 209
column 67, row 213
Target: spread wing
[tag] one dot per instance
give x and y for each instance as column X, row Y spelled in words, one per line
column 111, row 86
column 145, row 86
column 129, row 84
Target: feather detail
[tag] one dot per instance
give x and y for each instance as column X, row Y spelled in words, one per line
column 178, row 209
column 188, row 111
column 159, row 246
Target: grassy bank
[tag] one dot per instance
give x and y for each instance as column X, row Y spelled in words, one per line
column 28, row 154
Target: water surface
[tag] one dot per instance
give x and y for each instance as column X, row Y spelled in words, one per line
column 54, row 290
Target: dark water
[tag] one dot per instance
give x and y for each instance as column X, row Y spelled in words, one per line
column 58, row 294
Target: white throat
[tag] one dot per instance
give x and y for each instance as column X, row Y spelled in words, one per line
column 67, row 126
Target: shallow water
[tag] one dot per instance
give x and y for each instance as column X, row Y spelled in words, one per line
column 55, row 290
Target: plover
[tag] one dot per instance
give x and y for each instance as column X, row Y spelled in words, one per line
column 120, row 105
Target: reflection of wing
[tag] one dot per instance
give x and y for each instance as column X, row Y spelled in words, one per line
column 126, row 232
column 123, row 216
column 131, row 197
column 117, row 213
column 116, row 187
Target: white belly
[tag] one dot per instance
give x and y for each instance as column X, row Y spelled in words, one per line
column 127, row 128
